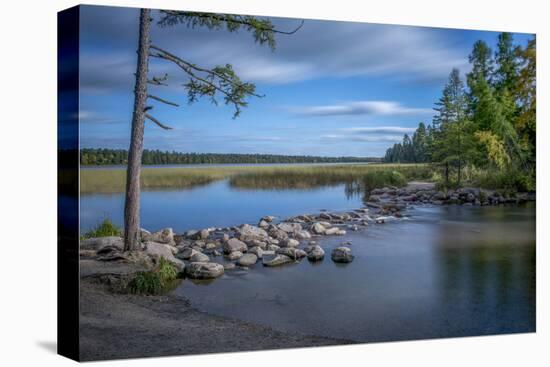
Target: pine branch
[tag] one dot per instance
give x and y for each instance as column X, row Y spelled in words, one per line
column 157, row 122
column 163, row 100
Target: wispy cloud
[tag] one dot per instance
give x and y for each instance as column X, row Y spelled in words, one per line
column 384, row 108
column 380, row 130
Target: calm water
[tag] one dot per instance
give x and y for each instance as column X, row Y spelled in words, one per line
column 447, row 271
column 216, row 204
column 443, row 272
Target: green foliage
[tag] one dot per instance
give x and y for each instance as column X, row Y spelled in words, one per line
column 484, row 135
column 262, row 29
column 155, row 281
column 112, row 157
column 103, row 229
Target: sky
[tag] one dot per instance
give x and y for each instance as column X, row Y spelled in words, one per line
column 330, row 89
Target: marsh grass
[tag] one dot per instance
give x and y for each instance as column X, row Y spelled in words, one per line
column 104, row 229
column 256, row 177
column 157, row 281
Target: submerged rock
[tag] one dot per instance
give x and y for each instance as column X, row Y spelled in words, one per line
column 291, row 252
column 316, row 253
column 342, row 255
column 276, row 260
column 247, row 260
column 199, row 270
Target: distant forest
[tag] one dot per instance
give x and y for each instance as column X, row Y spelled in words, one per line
column 106, row 157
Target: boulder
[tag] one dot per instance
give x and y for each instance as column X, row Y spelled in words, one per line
column 278, row 234
column 272, row 248
column 263, row 224
column 291, row 252
column 250, row 233
column 316, row 253
column 276, row 260
column 268, row 218
column 187, row 253
column 290, row 227
column 234, row 255
column 318, row 228
column 200, row 270
column 303, row 235
column 331, row 231
column 165, row 235
column 98, row 243
column 234, row 244
column 290, row 242
column 159, row 250
column 247, row 260
column 229, row 266
column 342, row 255
column 199, row 258
column 258, row 251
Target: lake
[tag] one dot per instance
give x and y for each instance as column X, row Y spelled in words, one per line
column 214, row 205
column 445, row 272
column 442, row 272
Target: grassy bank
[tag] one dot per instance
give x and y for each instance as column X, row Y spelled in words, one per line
column 256, row 177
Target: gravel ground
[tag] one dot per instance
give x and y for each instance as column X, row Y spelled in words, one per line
column 116, row 326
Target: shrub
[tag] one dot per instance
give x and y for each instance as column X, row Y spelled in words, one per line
column 155, row 281
column 103, row 229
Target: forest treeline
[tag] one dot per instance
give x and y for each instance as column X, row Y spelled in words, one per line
column 104, row 157
column 486, row 125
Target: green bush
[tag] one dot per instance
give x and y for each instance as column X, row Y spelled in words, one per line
column 156, row 281
column 103, row 229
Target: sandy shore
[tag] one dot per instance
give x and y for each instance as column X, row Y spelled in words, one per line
column 125, row 326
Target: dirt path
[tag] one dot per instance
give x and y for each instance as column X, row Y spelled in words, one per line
column 125, row 326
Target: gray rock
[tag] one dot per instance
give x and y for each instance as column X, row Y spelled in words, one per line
column 342, row 255
column 165, row 235
column 289, row 227
column 331, row 231
column 303, row 235
column 234, row 255
column 199, row 258
column 276, row 260
column 291, row 252
column 278, row 234
column 272, row 248
column 98, row 243
column 316, row 253
column 247, row 260
column 249, row 233
column 290, row 242
column 199, row 270
column 187, row 253
column 229, row 266
column 318, row 228
column 234, row 244
column 258, row 251
column 263, row 224
column 268, row 218
column 163, row 250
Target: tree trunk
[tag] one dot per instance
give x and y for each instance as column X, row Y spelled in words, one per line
column 459, row 173
column 132, row 204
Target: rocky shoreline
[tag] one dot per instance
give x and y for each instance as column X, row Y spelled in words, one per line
column 209, row 252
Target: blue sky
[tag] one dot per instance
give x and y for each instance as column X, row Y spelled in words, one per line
column 331, row 89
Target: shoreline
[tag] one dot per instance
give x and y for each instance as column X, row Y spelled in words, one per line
column 120, row 325
column 115, row 326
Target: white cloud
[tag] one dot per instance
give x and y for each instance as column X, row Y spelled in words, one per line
column 384, row 108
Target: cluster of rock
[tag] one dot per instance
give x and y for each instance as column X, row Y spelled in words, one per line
column 274, row 244
column 393, row 199
column 269, row 243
